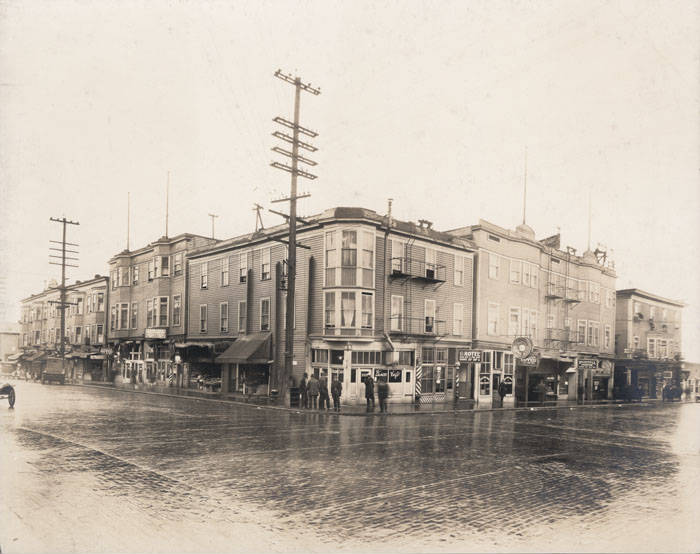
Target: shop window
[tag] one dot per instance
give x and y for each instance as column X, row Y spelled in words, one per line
column 337, row 357
column 427, row 379
column 406, row 357
column 485, row 385
column 428, row 355
column 394, row 375
column 353, row 375
column 319, row 355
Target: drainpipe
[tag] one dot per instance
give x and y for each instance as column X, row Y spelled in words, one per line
column 385, row 282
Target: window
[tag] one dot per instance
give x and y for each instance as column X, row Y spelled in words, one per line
column 177, row 308
column 508, row 363
column 177, row 264
column 582, row 290
column 78, row 335
column 163, row 311
column 664, row 315
column 88, row 304
column 398, row 255
column 534, row 275
column 526, row 274
column 243, row 267
column 515, row 271
column 581, row 331
column 151, row 269
column 497, row 361
column 223, row 317
column 457, row 319
column 662, row 348
column 397, row 323
column 319, row 356
column 204, row 276
column 651, row 347
column 149, row 313
column 593, row 333
column 331, row 258
column 112, row 278
column 514, row 322
column 459, row 271
column 264, row 314
column 594, row 291
column 265, row 264
column 203, row 318
column 123, row 315
column 79, row 306
column 492, row 325
column 113, row 318
column 156, row 266
column 100, row 334
column 135, row 275
column 494, row 266
column 330, row 310
column 349, row 258
column 165, row 266
column 347, row 309
column 224, row 272
column 551, row 321
column 367, row 258
column 430, row 263
column 607, row 336
column 367, row 319
column 242, row 317
column 525, row 322
column 635, row 342
column 134, row 314
column 533, row 324
column 608, row 298
column 429, row 316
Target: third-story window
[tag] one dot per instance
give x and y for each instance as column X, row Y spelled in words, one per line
column 243, row 267
column 349, row 258
column 165, row 266
column 224, row 272
column 203, row 318
column 177, row 264
column 242, row 317
column 177, row 308
column 223, row 313
column 156, row 266
column 494, row 266
column 459, row 271
column 264, row 314
column 367, row 312
column 134, row 315
column 397, row 256
column 396, row 313
column 330, row 310
column 331, row 258
column 265, row 264
column 367, row 258
column 515, row 270
column 430, row 263
column 457, row 319
column 429, row 316
column 135, row 275
column 204, row 275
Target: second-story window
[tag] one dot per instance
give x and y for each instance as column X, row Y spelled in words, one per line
column 397, row 313
column 204, row 275
column 347, row 309
column 149, row 313
column 223, row 317
column 367, row 311
column 135, row 275
column 124, row 315
column 330, row 310
column 429, row 316
column 349, row 258
column 242, row 317
column 264, row 314
column 163, row 311
column 492, row 321
column 457, row 319
column 177, row 308
column 134, row 315
column 265, row 264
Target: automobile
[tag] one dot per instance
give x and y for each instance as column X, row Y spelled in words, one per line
column 8, row 391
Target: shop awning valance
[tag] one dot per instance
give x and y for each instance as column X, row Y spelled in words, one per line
column 255, row 348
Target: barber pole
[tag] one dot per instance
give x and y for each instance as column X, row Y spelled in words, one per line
column 419, row 375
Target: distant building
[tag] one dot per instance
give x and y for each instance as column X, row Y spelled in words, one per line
column 85, row 328
column 647, row 341
column 563, row 303
column 147, row 308
column 9, row 346
column 374, row 296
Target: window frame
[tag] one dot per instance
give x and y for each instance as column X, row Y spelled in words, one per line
column 494, row 267
column 263, row 301
column 265, row 264
column 491, row 309
column 203, row 318
column 223, row 318
column 242, row 317
column 458, row 309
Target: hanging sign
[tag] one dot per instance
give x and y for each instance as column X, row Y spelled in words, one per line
column 530, row 361
column 470, row 356
column 587, row 363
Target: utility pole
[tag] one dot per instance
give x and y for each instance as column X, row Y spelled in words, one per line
column 213, row 217
column 258, row 218
column 62, row 303
column 295, row 172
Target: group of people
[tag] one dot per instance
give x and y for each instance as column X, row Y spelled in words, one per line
column 313, row 393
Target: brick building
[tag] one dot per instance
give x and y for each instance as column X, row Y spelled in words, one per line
column 563, row 303
column 647, row 341
column 85, row 328
column 147, row 308
column 375, row 296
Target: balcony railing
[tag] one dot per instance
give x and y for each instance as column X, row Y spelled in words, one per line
column 418, row 269
column 557, row 335
column 330, row 331
column 400, row 325
column 554, row 290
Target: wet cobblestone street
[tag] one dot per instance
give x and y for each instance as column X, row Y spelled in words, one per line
column 87, row 469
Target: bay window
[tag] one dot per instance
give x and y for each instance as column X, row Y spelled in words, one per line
column 330, row 310
column 349, row 258
column 177, row 309
column 331, row 258
column 367, row 311
column 348, row 312
column 347, row 309
column 367, row 258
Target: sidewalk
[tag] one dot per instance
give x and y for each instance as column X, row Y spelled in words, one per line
column 398, row 409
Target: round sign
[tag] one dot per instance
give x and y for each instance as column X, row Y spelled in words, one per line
column 521, row 347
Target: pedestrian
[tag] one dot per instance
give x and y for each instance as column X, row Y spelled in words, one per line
column 502, row 390
column 324, row 402
column 336, row 391
column 382, row 393
column 303, row 403
column 312, row 392
column 369, row 392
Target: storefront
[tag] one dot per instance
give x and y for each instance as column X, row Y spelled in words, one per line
column 245, row 365
column 495, row 367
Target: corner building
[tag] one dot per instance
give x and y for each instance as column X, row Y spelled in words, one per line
column 375, row 296
column 647, row 342
column 563, row 303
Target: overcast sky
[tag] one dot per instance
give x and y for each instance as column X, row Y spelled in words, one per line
column 430, row 103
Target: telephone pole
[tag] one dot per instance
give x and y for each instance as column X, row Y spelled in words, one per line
column 295, row 172
column 62, row 303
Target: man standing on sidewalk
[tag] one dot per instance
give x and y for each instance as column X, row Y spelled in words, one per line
column 382, row 393
column 312, row 391
column 502, row 390
column 324, row 400
column 336, row 391
column 369, row 391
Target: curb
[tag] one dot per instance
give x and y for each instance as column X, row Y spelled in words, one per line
column 453, row 411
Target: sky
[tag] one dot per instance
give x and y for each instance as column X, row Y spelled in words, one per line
column 433, row 104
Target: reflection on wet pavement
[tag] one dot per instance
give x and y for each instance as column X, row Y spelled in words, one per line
column 586, row 478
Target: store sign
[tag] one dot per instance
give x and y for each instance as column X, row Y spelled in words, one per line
column 155, row 333
column 470, row 356
column 530, row 361
column 587, row 363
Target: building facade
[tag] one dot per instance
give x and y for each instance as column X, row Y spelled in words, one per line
column 147, row 316
column 374, row 296
column 560, row 305
column 85, row 328
column 647, row 342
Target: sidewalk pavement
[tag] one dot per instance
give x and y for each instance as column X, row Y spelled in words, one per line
column 396, row 409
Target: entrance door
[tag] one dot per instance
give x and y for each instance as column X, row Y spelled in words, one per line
column 495, row 381
column 408, row 385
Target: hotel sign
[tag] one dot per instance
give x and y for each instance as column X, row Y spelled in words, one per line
column 587, row 363
column 468, row 356
column 155, row 333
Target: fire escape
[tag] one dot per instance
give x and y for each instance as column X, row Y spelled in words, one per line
column 558, row 336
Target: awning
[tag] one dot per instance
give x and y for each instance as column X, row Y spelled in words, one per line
column 38, row 356
column 188, row 344
column 14, row 357
column 248, row 349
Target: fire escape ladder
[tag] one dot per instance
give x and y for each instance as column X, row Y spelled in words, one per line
column 408, row 288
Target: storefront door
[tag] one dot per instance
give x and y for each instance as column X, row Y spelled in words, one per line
column 495, row 381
